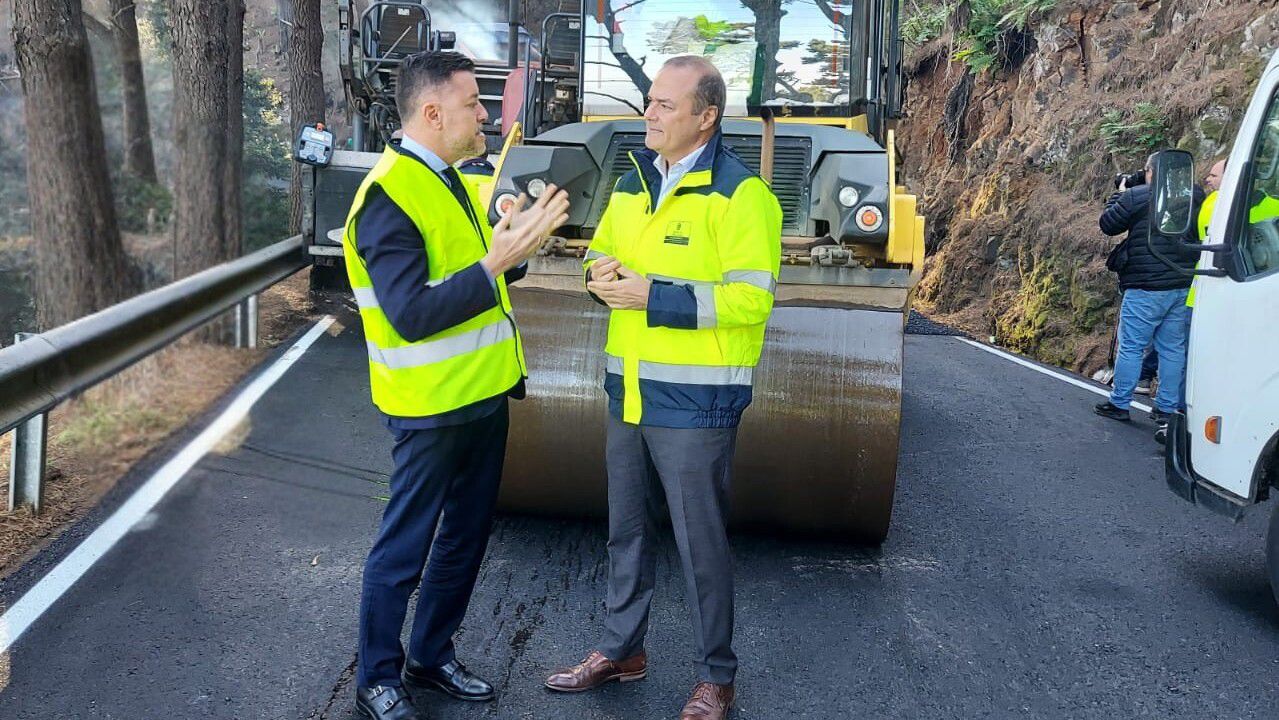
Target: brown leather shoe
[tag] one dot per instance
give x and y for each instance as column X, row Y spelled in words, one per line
column 596, row 670
column 708, row 702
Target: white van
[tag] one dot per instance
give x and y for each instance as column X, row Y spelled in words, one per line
column 1222, row 452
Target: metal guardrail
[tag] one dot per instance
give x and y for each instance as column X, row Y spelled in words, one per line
column 40, row 371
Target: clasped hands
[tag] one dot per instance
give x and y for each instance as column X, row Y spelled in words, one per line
column 617, row 285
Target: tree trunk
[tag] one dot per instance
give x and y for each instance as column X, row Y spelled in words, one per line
column 233, row 239
column 306, row 89
column 768, row 33
column 201, row 56
column 81, row 266
column 139, row 160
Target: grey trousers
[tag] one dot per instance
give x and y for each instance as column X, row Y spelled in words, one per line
column 692, row 469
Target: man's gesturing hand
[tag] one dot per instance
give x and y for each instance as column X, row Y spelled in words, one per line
column 519, row 234
column 628, row 292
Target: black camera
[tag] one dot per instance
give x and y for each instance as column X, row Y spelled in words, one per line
column 1130, row 180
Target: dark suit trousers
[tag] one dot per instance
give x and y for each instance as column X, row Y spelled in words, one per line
column 691, row 470
column 443, row 491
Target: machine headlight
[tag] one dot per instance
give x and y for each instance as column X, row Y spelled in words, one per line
column 849, row 196
column 870, row 218
column 504, row 203
column 536, row 187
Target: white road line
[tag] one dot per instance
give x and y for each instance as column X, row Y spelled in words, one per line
column 1051, row 373
column 46, row 592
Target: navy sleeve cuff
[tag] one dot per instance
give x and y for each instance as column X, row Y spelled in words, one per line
column 516, row 273
column 672, row 306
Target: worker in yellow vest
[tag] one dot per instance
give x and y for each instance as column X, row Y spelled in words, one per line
column 1212, row 184
column 430, row 278
column 1264, row 207
column 686, row 256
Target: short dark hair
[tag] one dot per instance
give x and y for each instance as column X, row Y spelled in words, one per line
column 710, row 86
column 424, row 70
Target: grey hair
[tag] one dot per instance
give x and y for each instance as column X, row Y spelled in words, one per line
column 710, row 86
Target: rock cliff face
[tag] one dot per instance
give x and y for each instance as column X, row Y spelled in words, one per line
column 1014, row 162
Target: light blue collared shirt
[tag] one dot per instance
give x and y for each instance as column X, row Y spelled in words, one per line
column 433, row 161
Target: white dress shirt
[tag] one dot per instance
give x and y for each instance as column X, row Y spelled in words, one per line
column 672, row 175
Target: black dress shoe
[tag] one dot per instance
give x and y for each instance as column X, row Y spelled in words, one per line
column 1107, row 410
column 385, row 703
column 452, row 679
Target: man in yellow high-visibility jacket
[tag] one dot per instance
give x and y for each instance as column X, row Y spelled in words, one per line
column 687, row 256
column 1264, row 207
column 1212, row 183
column 430, row 277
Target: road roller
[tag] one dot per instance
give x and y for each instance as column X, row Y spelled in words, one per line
column 814, row 90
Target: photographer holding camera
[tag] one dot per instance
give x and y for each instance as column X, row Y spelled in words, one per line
column 1154, row 300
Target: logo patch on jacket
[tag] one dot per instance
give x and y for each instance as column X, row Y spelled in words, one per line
column 677, row 232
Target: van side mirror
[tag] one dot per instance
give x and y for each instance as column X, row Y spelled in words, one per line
column 1172, row 186
column 1172, row 209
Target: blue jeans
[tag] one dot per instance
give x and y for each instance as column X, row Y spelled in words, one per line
column 1160, row 316
column 1149, row 364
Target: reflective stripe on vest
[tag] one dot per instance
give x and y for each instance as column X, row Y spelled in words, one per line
column 366, row 299
column 704, row 291
column 433, row 351
column 686, row 374
column 761, row 279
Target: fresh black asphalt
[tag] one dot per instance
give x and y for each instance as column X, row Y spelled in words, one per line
column 1037, row 567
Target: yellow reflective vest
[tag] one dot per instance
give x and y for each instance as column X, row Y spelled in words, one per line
column 712, row 250
column 1205, row 217
column 1265, row 209
column 471, row 361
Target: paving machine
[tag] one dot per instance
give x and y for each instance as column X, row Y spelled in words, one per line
column 813, row 90
column 373, row 39
column 527, row 84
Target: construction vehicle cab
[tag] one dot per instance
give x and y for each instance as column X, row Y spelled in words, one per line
column 1223, row 451
column 517, row 79
column 812, row 92
column 376, row 38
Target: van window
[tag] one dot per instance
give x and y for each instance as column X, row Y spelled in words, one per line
column 1259, row 238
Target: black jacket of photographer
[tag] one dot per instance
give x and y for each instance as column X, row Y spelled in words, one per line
column 1138, row 268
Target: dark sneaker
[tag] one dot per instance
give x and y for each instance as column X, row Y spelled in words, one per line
column 1143, row 387
column 1161, row 435
column 1108, row 410
column 1159, row 416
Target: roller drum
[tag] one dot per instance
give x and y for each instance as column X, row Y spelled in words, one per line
column 817, row 449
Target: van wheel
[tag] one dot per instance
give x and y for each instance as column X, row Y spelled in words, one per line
column 1272, row 552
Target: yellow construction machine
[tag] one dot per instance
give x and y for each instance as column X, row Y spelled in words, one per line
column 813, row 89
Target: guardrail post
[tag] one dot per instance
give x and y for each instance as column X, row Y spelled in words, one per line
column 246, row 323
column 27, row 458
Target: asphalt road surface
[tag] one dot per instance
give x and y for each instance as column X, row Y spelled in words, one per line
column 1037, row 567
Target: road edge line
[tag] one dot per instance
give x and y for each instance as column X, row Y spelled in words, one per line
column 45, row 593
column 1051, row 373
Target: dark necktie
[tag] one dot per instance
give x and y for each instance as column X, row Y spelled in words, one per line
column 454, row 181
